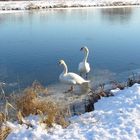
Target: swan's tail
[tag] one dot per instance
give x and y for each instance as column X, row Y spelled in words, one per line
column 86, row 81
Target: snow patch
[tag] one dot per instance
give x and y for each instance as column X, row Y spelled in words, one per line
column 116, row 117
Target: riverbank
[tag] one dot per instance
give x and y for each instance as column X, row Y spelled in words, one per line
column 117, row 116
column 40, row 110
column 28, row 5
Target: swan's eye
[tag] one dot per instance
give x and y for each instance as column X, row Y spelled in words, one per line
column 81, row 48
column 60, row 62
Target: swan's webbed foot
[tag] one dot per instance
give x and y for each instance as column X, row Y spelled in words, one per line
column 69, row 90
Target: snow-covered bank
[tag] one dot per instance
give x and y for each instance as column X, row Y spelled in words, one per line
column 26, row 5
column 116, row 117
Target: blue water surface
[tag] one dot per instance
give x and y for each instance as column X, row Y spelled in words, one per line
column 32, row 42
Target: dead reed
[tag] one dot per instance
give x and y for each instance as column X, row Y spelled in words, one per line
column 4, row 132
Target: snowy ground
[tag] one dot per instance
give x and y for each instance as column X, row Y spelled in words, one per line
column 114, row 118
column 22, row 5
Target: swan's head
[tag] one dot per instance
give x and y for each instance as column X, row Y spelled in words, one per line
column 61, row 62
column 84, row 49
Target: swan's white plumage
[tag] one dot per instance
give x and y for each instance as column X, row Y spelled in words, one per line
column 72, row 78
column 69, row 77
column 84, row 66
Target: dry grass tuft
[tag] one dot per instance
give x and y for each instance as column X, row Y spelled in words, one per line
column 4, row 132
column 25, row 102
column 30, row 103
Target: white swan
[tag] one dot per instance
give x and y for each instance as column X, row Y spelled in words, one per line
column 84, row 67
column 69, row 77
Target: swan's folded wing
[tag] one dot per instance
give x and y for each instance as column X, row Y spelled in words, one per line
column 71, row 81
column 75, row 77
column 87, row 67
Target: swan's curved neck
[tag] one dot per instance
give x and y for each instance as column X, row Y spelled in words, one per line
column 65, row 68
column 86, row 56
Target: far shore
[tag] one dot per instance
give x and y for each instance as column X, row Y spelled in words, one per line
column 97, row 7
column 16, row 6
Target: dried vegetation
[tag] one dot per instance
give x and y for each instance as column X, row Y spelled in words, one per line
column 33, row 100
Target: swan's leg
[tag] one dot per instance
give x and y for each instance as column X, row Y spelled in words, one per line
column 86, row 75
column 80, row 74
column 69, row 90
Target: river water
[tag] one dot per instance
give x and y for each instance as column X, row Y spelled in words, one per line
column 32, row 43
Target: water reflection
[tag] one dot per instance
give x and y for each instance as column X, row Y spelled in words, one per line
column 112, row 15
column 59, row 14
column 117, row 15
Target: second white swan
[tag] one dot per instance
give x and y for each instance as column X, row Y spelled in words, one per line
column 84, row 67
